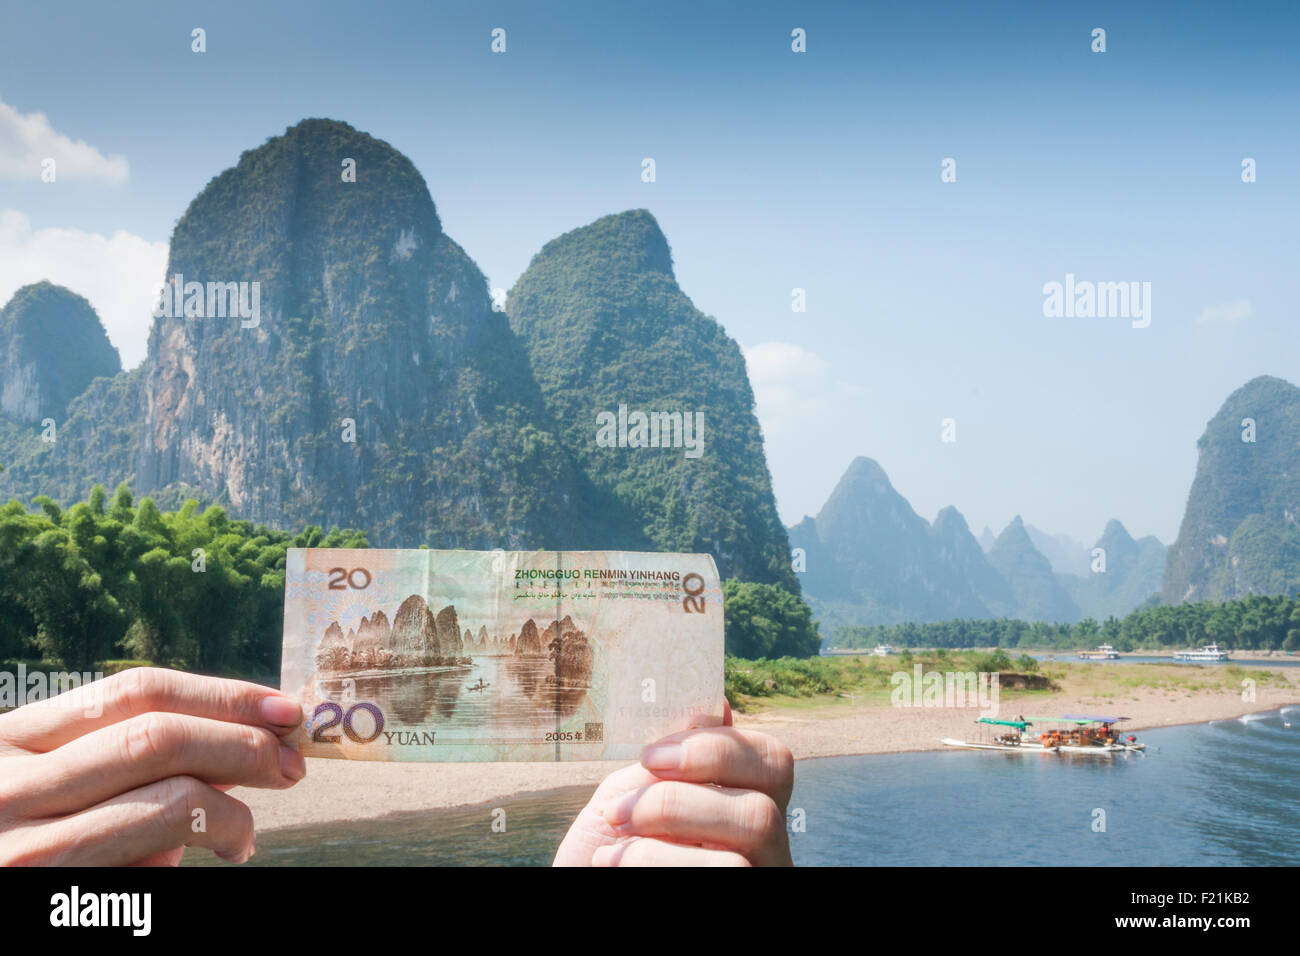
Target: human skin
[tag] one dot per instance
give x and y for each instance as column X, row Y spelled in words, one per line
column 713, row 796
column 132, row 769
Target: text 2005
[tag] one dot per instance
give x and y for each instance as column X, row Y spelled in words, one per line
column 563, row 735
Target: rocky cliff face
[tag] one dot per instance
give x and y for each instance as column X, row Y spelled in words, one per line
column 327, row 355
column 52, row 345
column 53, row 351
column 375, row 387
column 610, row 333
column 1240, row 533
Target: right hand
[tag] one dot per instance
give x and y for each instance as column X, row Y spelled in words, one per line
column 115, row 772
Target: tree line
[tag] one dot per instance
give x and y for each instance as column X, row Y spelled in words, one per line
column 197, row 590
column 1257, row 622
column 107, row 578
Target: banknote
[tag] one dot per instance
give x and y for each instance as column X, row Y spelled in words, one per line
column 499, row 655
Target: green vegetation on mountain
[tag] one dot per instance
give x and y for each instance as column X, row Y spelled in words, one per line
column 52, row 345
column 69, row 416
column 377, row 386
column 1241, row 530
column 606, row 324
column 95, row 444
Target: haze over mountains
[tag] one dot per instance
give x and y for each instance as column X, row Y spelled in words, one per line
column 381, row 388
column 870, row 559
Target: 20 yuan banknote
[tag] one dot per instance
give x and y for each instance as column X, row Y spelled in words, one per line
column 499, row 655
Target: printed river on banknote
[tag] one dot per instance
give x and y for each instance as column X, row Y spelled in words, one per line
column 499, row 655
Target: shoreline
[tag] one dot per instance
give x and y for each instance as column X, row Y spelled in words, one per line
column 342, row 790
column 1162, row 654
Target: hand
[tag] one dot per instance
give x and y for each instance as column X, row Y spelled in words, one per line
column 715, row 796
column 113, row 772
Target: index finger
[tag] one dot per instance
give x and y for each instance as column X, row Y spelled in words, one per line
column 45, row 725
column 726, row 756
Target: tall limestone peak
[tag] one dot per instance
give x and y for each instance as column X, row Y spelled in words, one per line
column 1240, row 533
column 1039, row 595
column 864, row 503
column 1115, row 535
column 973, row 580
column 627, row 242
column 375, row 387
column 871, row 559
column 611, row 336
column 52, row 345
column 1063, row 553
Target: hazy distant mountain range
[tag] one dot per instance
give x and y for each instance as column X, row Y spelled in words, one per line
column 870, row 559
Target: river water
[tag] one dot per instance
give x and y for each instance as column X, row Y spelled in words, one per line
column 1224, row 793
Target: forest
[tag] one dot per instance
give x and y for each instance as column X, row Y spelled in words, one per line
column 108, row 579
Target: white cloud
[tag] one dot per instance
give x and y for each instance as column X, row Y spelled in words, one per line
column 1226, row 313
column 793, row 389
column 118, row 274
column 27, row 140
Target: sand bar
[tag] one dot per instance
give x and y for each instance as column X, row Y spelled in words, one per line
column 347, row 790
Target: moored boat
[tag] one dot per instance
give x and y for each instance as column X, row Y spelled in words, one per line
column 1077, row 733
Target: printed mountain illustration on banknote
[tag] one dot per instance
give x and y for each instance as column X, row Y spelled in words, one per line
column 531, row 655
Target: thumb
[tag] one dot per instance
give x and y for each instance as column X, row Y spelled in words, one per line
column 726, row 713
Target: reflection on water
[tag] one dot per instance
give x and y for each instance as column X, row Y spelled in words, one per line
column 507, row 693
column 1224, row 793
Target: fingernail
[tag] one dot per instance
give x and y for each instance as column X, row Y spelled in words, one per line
column 663, row 757
column 620, row 812
column 281, row 711
column 292, row 764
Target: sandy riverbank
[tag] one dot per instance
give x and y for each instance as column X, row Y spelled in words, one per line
column 343, row 790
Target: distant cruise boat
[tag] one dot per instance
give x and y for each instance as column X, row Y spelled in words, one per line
column 1206, row 654
column 1104, row 652
column 882, row 650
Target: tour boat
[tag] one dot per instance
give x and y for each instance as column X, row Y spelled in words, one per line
column 1079, row 734
column 1206, row 654
column 882, row 650
column 1104, row 652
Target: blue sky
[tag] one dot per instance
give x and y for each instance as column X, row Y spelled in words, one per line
column 775, row 170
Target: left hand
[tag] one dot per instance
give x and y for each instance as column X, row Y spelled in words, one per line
column 714, row 796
